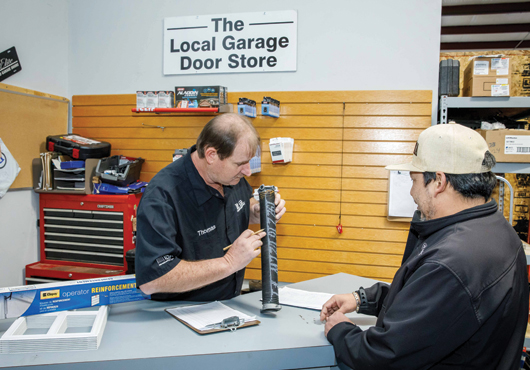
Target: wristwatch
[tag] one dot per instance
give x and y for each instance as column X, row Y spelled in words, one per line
column 358, row 300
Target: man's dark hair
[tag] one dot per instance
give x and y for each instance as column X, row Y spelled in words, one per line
column 470, row 185
column 223, row 132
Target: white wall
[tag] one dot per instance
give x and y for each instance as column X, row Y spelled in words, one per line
column 39, row 31
column 116, row 46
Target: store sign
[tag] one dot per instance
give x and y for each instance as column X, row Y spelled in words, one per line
column 231, row 43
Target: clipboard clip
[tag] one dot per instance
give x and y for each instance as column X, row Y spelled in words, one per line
column 232, row 323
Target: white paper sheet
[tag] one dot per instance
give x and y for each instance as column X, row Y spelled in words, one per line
column 303, row 298
column 201, row 315
column 400, row 202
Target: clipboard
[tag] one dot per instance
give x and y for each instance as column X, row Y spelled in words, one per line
column 210, row 331
column 213, row 311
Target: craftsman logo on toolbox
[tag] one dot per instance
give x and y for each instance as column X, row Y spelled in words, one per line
column 50, row 294
column 105, row 206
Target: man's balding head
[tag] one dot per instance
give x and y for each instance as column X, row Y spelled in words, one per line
column 223, row 133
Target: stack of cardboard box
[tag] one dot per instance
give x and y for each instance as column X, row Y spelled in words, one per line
column 488, row 76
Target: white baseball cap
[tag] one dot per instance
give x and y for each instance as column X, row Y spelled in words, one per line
column 449, row 148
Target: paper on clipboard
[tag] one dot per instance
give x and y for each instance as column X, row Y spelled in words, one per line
column 199, row 317
column 400, row 202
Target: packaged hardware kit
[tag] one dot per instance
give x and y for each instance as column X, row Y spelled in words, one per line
column 246, row 107
column 155, row 99
column 200, row 96
column 270, row 107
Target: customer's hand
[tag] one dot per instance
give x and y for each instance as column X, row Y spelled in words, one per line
column 343, row 303
column 333, row 320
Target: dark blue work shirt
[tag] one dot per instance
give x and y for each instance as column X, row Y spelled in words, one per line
column 182, row 218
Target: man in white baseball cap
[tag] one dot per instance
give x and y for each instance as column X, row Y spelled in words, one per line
column 460, row 297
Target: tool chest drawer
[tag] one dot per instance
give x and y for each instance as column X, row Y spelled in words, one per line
column 42, row 272
column 87, row 230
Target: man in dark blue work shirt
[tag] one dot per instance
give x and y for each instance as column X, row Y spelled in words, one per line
column 195, row 207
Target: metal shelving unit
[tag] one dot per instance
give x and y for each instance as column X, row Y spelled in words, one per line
column 502, row 102
column 515, row 105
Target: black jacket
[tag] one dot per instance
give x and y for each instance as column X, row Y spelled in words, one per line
column 458, row 301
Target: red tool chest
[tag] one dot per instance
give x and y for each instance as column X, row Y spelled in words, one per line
column 83, row 236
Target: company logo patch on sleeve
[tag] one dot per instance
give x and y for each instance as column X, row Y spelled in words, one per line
column 164, row 259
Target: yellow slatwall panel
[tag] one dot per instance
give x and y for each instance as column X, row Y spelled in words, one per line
column 343, row 140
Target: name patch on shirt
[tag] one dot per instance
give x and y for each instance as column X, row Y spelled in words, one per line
column 164, row 259
column 206, row 231
column 240, row 205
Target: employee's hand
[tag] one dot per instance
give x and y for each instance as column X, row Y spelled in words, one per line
column 342, row 303
column 333, row 320
column 254, row 209
column 244, row 250
column 280, row 206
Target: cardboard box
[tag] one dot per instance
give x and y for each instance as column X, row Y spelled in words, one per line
column 200, row 96
column 488, row 76
column 508, row 145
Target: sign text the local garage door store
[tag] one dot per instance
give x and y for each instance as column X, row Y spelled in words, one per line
column 231, row 43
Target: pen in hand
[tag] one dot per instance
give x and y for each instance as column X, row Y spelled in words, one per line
column 254, row 233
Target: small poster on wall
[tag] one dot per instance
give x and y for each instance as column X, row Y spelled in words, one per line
column 9, row 169
column 9, row 63
column 400, row 202
column 231, row 43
